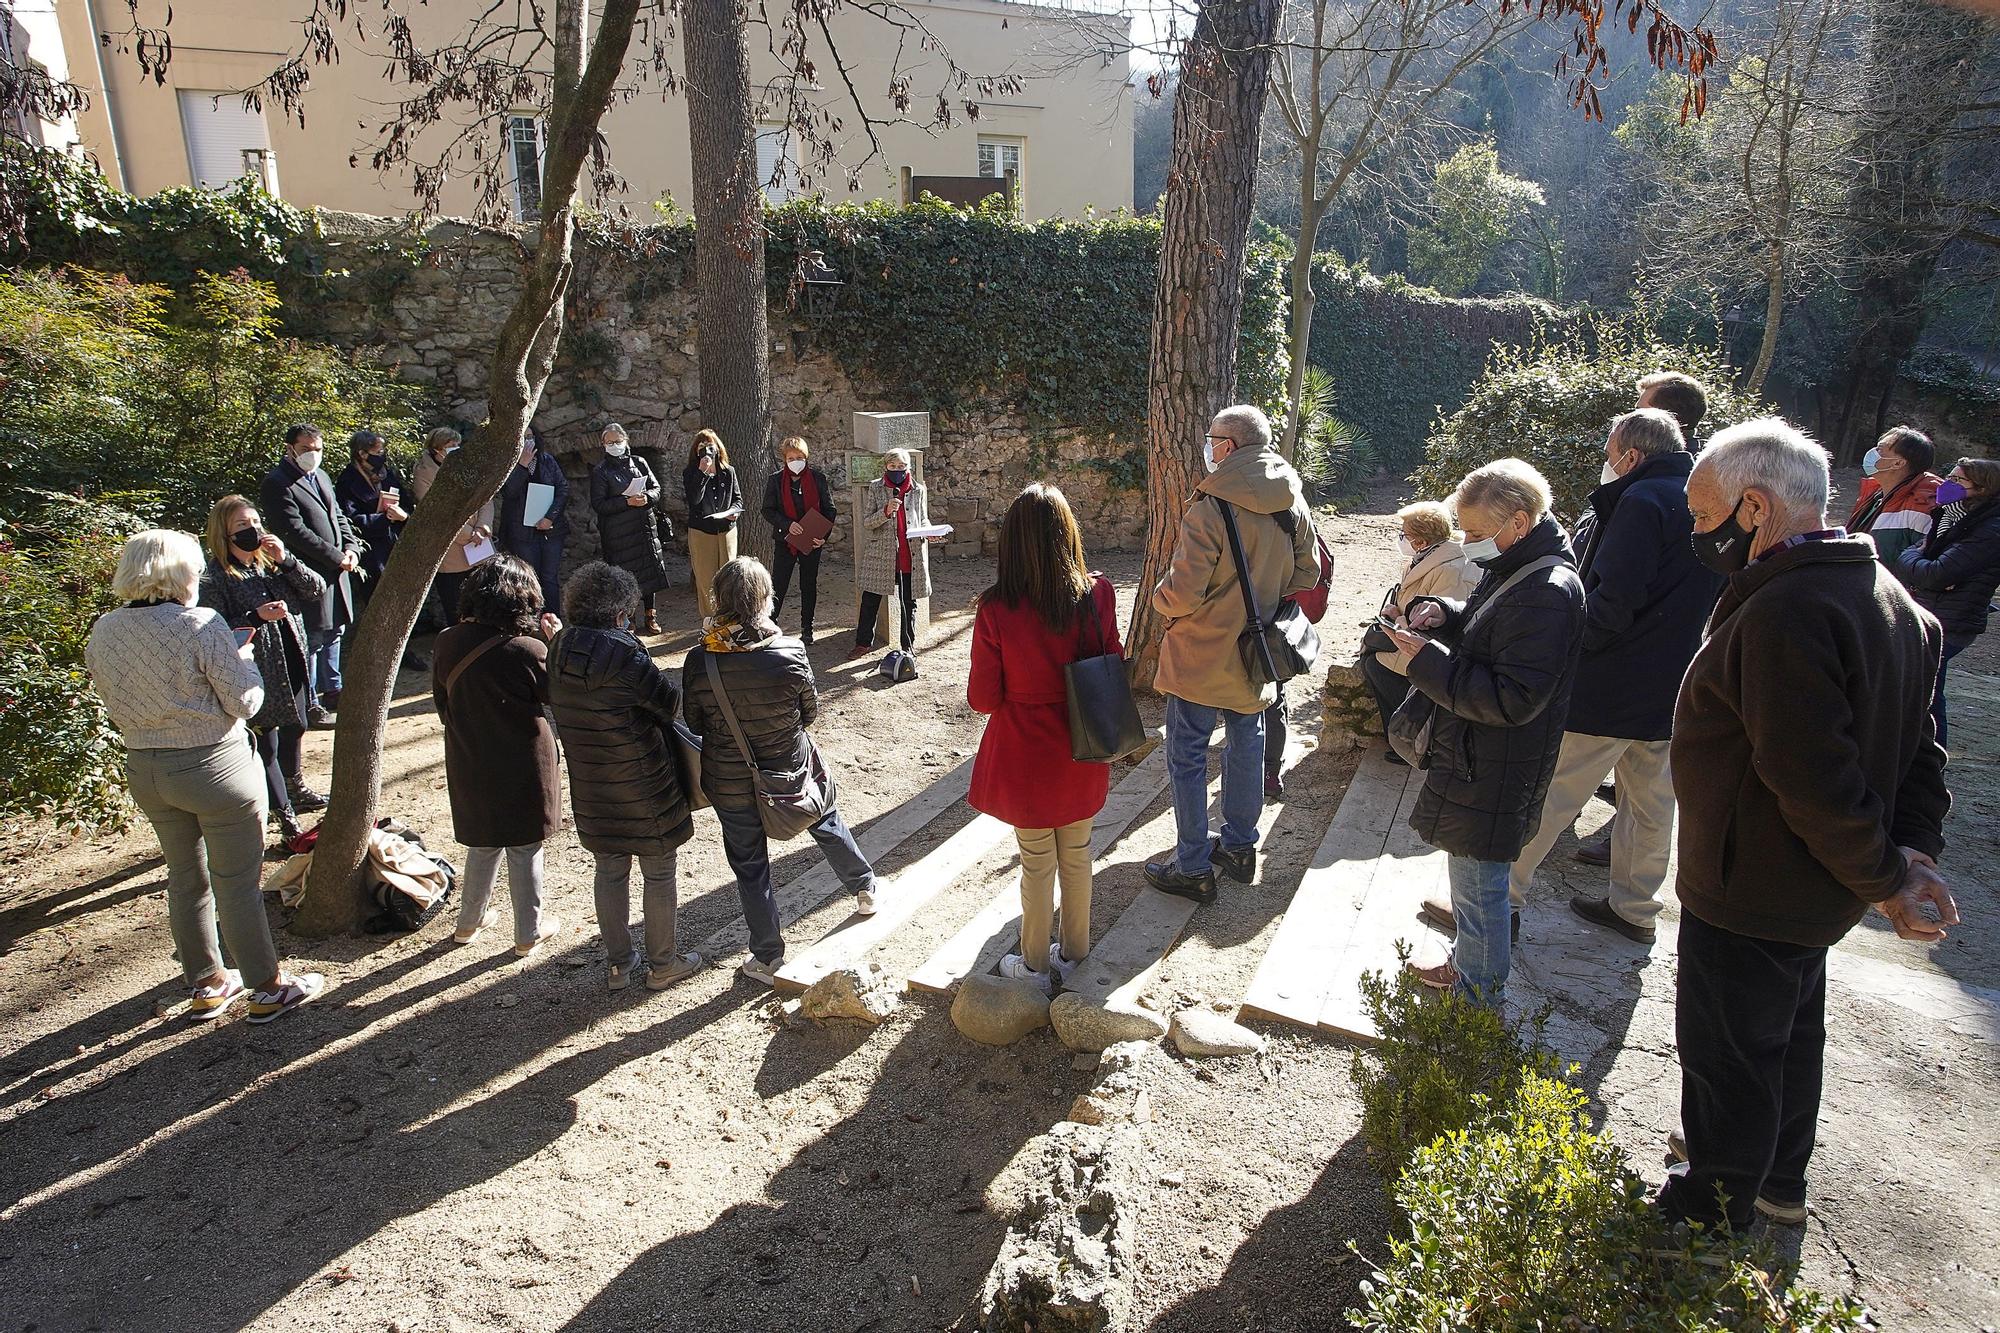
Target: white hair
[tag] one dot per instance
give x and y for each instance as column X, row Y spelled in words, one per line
column 1506, row 487
column 896, row 456
column 1252, row 427
column 158, row 565
column 1650, row 430
column 1772, row 453
column 613, row 431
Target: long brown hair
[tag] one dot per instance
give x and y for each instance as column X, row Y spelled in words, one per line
column 704, row 438
column 1041, row 558
column 220, row 516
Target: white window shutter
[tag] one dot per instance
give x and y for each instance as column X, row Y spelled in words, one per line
column 225, row 140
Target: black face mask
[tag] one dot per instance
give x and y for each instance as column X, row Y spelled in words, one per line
column 247, row 540
column 1725, row 548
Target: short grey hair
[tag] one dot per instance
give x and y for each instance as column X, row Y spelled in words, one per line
column 597, row 594
column 1772, row 453
column 1252, row 428
column 743, row 593
column 896, row 456
column 158, row 565
column 613, row 431
column 1505, row 487
column 1650, row 430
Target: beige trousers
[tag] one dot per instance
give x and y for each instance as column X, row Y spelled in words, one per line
column 1643, row 838
column 708, row 552
column 1049, row 854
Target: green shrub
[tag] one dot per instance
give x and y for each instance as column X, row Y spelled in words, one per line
column 1550, row 400
column 1533, row 1222
column 1441, row 1065
column 1333, row 455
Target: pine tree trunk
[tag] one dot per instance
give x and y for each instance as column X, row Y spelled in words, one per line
column 732, row 334
column 334, row 902
column 1198, row 304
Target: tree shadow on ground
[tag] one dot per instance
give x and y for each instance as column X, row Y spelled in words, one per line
column 52, row 909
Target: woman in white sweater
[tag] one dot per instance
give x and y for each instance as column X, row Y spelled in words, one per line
column 178, row 686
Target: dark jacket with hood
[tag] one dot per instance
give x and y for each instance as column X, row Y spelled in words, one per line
column 770, row 685
column 1646, row 601
column 1804, row 753
column 631, row 533
column 1953, row 573
column 1502, row 692
column 613, row 710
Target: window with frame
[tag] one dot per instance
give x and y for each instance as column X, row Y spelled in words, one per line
column 1000, row 157
column 777, row 165
column 226, row 140
column 524, row 154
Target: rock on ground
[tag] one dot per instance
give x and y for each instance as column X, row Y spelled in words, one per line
column 1086, row 1026
column 1351, row 719
column 856, row 995
column 1199, row 1032
column 999, row 1011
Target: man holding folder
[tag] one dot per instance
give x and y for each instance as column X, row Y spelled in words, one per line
column 533, row 518
column 798, row 504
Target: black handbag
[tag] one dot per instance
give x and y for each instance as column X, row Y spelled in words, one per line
column 791, row 800
column 1104, row 723
column 687, row 763
column 1276, row 650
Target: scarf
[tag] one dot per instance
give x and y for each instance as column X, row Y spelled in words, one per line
column 1947, row 518
column 905, row 564
column 724, row 634
column 808, row 489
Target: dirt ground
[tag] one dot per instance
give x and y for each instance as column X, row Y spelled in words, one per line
column 452, row 1139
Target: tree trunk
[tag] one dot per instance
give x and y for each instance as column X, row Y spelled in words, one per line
column 1198, row 304
column 1774, row 311
column 732, row 333
column 526, row 350
column 1303, row 302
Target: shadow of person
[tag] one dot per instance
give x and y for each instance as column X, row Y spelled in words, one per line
column 52, row 909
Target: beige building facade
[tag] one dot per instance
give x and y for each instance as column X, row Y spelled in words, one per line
column 1064, row 132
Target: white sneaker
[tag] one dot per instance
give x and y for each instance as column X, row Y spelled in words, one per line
column 551, row 927
column 759, row 971
column 466, row 936
column 1016, row 967
column 207, row 1002
column 864, row 903
column 1061, row 968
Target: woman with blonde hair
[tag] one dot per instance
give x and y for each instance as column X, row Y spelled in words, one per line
column 1434, row 565
column 255, row 584
column 889, row 564
column 1044, row 611
column 714, row 503
column 795, row 490
column 439, row 445
column 178, row 684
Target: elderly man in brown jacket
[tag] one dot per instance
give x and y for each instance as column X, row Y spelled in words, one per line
column 1201, row 672
column 1811, row 787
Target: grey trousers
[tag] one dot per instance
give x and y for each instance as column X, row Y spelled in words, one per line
column 207, row 806
column 1643, row 838
column 613, row 891
column 524, row 886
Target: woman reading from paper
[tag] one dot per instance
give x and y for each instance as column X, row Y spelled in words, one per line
column 895, row 520
column 798, row 504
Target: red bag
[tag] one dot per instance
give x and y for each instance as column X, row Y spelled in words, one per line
column 1312, row 600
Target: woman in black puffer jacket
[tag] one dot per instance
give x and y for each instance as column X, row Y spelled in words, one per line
column 1498, row 669
column 769, row 684
column 1955, row 570
column 614, row 711
column 628, row 521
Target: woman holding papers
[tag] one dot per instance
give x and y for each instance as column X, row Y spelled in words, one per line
column 895, row 520
column 715, row 502
column 626, row 496
column 798, row 504
column 534, row 503
column 474, row 541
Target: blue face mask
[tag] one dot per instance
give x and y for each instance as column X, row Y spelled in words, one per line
column 894, row 480
column 1870, row 461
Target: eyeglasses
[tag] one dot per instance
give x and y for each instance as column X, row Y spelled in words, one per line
column 1229, row 439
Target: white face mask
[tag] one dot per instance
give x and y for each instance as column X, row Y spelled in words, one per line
column 1407, row 547
column 617, row 449
column 1608, row 473
column 1483, row 550
column 309, row 461
column 795, row 465
column 1208, row 455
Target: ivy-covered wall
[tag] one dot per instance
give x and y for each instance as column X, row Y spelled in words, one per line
column 1402, row 357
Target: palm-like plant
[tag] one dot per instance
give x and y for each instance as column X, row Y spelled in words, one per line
column 1334, row 455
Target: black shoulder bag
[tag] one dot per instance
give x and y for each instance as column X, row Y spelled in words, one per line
column 1276, row 650
column 1104, row 722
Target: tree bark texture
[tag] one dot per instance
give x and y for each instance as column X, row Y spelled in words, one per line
column 1198, row 302
column 1303, row 305
column 579, row 96
column 732, row 335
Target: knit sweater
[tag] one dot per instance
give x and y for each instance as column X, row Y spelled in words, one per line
column 171, row 677
column 1803, row 749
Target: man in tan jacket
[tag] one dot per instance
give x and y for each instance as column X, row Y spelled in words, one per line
column 1201, row 670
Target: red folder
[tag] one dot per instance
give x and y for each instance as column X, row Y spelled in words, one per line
column 813, row 527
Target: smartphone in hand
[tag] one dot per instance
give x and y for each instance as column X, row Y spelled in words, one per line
column 244, row 635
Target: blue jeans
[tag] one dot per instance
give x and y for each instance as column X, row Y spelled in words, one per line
column 1485, row 921
column 749, row 855
column 544, row 555
column 1189, row 727
column 1951, row 650
column 324, row 666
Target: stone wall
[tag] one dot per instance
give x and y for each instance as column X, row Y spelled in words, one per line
column 629, row 356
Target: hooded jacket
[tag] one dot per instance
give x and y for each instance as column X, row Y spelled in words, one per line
column 613, row 707
column 1804, row 753
column 1502, row 692
column 770, row 686
column 1953, row 573
column 1200, row 594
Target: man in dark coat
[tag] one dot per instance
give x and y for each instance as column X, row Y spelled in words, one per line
column 1811, row 786
column 539, row 543
column 300, row 508
column 1646, row 599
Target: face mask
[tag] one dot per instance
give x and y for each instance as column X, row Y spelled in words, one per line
column 617, row 450
column 1608, row 473
column 376, row 462
column 1208, row 455
column 1870, row 461
column 249, row 539
column 795, row 465
column 894, row 480
column 309, row 461
column 1726, row 547
column 1482, row 551
column 1951, row 492
column 450, row 449
column 1408, row 548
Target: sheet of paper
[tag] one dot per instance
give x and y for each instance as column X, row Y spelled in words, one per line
column 637, row 486
column 931, row 530
column 476, row 552
column 536, row 506
column 736, row 512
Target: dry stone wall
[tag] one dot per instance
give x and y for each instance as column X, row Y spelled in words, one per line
column 629, row 356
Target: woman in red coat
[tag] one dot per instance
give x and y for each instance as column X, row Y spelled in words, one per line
column 1044, row 611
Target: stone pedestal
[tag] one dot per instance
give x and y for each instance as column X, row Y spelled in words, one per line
column 875, row 434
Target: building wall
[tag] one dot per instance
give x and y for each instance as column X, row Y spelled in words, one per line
column 1073, row 116
column 33, row 33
